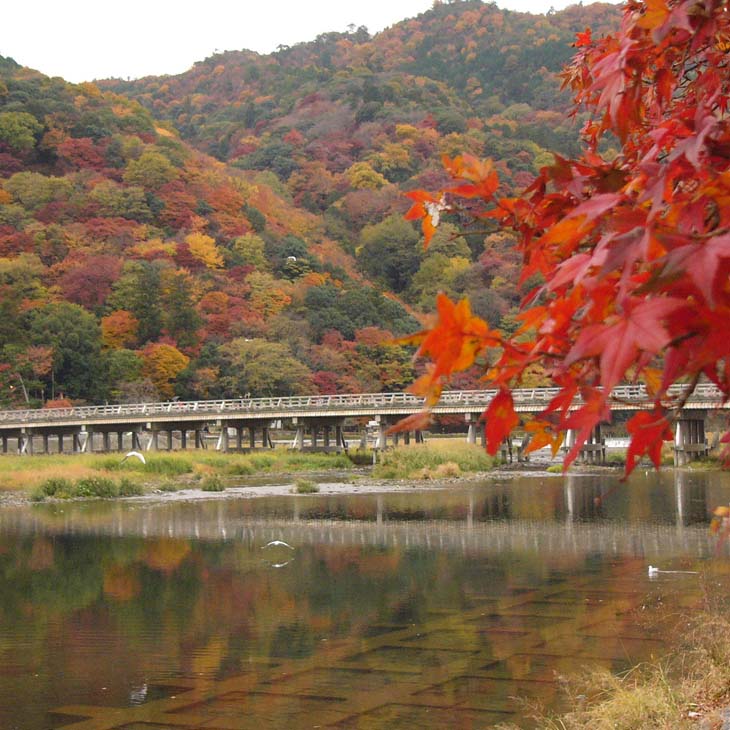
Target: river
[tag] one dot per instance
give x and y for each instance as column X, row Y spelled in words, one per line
column 458, row 608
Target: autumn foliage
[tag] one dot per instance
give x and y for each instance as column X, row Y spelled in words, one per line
column 630, row 247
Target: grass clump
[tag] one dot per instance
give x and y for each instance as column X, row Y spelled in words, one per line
column 240, row 469
column 361, row 457
column 555, row 469
column 128, row 488
column 212, row 483
column 305, row 486
column 54, row 487
column 166, row 465
column 168, row 486
column 90, row 486
column 96, row 487
column 436, row 460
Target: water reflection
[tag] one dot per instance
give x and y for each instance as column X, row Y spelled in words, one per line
column 436, row 607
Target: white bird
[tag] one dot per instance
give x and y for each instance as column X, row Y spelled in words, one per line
column 281, row 565
column 653, row 571
column 136, row 455
column 276, row 543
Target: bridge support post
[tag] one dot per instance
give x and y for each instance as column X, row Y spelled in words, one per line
column 419, row 437
column 407, row 438
column 25, row 442
column 223, row 441
column 382, row 439
column 252, row 437
column 136, row 446
column 340, row 437
column 5, row 444
column 183, row 438
column 239, row 438
column 199, row 439
column 326, row 437
column 506, row 450
column 689, row 439
column 471, row 425
column 593, row 451
column 298, row 442
column 569, row 440
column 155, row 441
column 45, row 443
column 522, row 456
column 76, row 446
column 266, row 441
column 595, row 447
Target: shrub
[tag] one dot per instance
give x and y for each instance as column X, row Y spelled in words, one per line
column 305, row 486
column 53, row 487
column 241, row 468
column 262, row 462
column 128, row 488
column 361, row 457
column 95, row 487
column 169, row 487
column 212, row 483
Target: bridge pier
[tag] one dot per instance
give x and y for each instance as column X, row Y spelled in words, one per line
column 472, row 421
column 320, row 434
column 593, row 451
column 298, row 443
column 689, row 438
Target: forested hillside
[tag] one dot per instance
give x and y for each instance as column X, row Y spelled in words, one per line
column 238, row 228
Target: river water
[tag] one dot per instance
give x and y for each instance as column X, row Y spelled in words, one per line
column 458, row 608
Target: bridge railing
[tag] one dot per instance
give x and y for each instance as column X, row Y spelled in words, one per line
column 367, row 402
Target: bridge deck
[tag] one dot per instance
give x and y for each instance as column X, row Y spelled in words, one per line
column 626, row 397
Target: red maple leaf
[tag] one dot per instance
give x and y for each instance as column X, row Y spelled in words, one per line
column 648, row 429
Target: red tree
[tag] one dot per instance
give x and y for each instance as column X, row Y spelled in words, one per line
column 633, row 246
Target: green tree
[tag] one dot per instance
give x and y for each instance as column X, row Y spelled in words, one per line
column 151, row 170
column 122, row 367
column 138, row 291
column 251, row 250
column 263, row 369
column 18, row 130
column 74, row 334
column 179, row 316
column 389, row 251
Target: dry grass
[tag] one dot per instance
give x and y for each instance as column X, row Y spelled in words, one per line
column 691, row 685
column 438, row 459
column 27, row 473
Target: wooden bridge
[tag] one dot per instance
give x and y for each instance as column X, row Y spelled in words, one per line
column 317, row 421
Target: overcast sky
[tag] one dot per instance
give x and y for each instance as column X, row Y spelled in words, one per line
column 81, row 40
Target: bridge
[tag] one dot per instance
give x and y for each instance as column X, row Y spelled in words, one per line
column 316, row 421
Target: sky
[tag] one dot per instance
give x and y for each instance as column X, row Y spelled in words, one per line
column 82, row 40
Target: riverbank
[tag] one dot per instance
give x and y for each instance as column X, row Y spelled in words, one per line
column 116, row 475
column 199, row 474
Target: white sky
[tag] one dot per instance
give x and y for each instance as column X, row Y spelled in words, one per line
column 81, row 40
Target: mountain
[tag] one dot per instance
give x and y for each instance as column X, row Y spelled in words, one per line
column 238, row 228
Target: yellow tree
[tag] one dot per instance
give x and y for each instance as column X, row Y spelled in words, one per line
column 204, row 249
